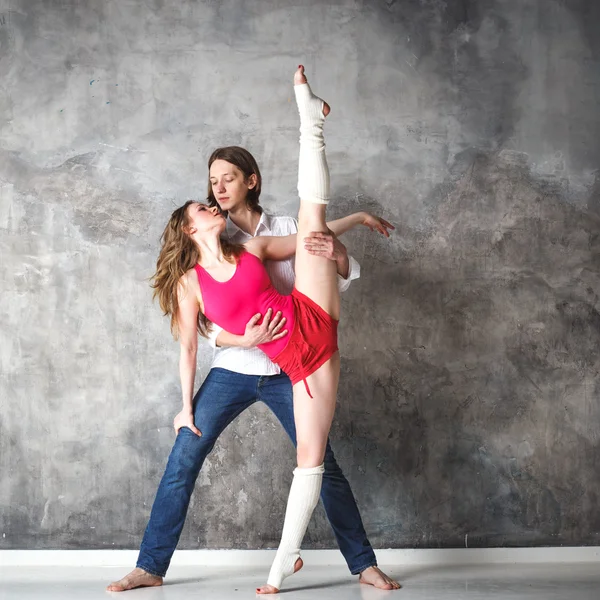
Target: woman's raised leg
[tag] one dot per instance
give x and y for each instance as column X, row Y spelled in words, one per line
column 316, row 277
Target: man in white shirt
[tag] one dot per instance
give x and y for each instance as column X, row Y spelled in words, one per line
column 241, row 375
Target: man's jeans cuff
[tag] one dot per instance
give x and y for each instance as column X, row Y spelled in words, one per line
column 148, row 570
column 358, row 571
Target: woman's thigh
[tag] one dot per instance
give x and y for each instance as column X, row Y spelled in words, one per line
column 313, row 416
column 316, row 276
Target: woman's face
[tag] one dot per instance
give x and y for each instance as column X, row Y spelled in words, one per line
column 228, row 185
column 203, row 219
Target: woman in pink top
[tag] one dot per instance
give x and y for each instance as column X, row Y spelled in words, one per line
column 202, row 278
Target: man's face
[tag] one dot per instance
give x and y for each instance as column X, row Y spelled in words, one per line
column 228, row 184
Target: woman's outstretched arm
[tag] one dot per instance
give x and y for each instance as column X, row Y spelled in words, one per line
column 267, row 247
column 272, row 247
column 373, row 222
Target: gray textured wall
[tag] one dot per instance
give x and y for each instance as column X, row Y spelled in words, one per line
column 469, row 400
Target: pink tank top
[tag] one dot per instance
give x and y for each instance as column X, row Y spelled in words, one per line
column 231, row 304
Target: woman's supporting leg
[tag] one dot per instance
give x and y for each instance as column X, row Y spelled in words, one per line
column 313, row 418
column 302, row 500
column 336, row 494
column 316, row 276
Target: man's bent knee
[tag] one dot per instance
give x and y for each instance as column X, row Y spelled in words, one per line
column 189, row 448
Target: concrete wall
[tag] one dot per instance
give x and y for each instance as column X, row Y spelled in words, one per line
column 468, row 408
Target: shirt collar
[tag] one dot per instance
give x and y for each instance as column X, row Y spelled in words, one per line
column 234, row 231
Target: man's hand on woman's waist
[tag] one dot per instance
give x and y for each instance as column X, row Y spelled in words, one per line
column 269, row 330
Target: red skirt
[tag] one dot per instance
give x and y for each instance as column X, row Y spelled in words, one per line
column 312, row 343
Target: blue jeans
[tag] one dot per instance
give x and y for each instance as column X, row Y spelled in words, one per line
column 221, row 398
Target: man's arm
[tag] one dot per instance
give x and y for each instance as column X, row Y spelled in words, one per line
column 353, row 273
column 329, row 246
column 339, row 253
column 269, row 330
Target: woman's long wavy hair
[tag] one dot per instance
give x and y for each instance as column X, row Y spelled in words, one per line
column 178, row 254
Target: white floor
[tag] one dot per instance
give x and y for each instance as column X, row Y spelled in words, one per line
column 531, row 582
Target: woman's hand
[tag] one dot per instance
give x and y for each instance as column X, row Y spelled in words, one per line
column 267, row 331
column 185, row 419
column 375, row 223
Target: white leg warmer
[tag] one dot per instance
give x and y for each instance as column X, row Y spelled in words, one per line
column 313, row 172
column 304, row 495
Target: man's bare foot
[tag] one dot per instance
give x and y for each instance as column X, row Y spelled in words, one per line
column 300, row 78
column 376, row 577
column 269, row 589
column 136, row 579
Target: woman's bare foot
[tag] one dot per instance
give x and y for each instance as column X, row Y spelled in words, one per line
column 300, row 78
column 136, row 579
column 377, row 578
column 269, row 589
